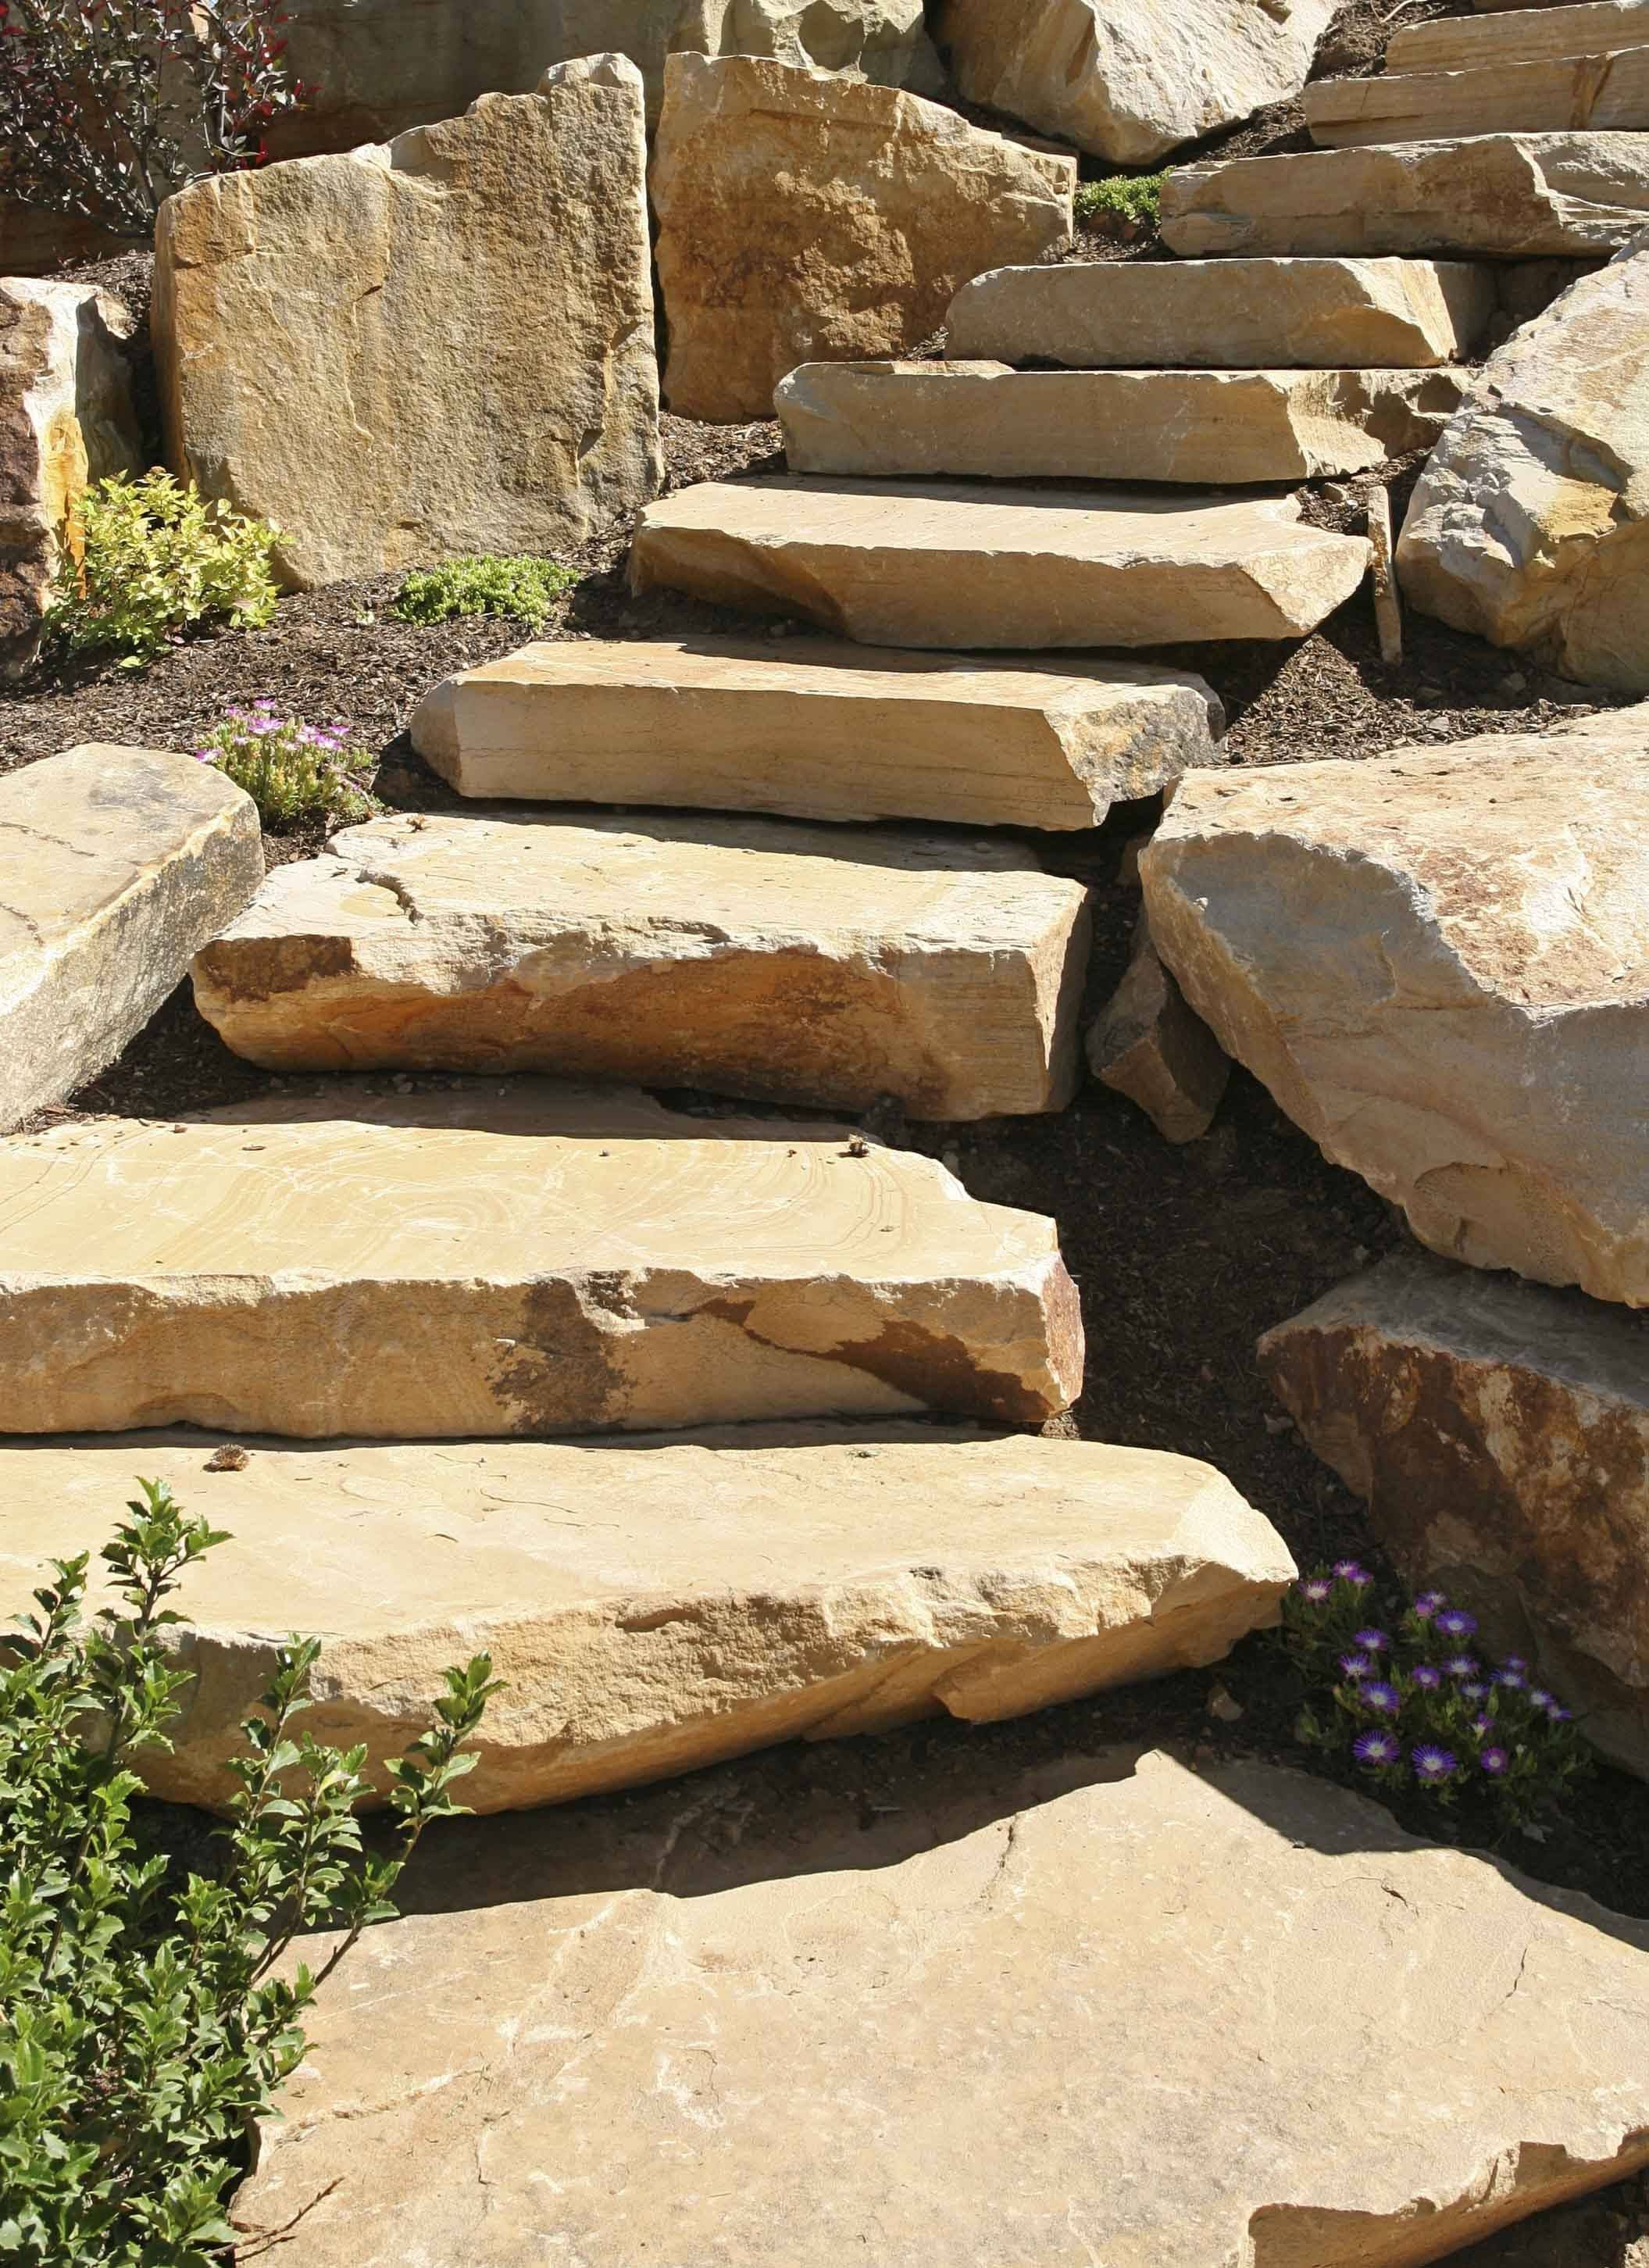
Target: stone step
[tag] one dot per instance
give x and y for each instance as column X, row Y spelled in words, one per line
column 1243, row 314
column 1503, row 197
column 1202, row 428
column 548, row 1260
column 753, row 956
column 1609, row 91
column 948, row 565
column 658, row 1605
column 818, row 729
column 1530, row 34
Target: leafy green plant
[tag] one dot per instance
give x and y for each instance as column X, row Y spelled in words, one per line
column 292, row 770
column 1135, row 200
column 143, row 2023
column 149, row 559
column 522, row 587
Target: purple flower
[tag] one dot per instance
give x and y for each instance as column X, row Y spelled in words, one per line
column 1513, row 1680
column 1482, row 1726
column 1539, row 1699
column 1375, row 1694
column 1494, row 1761
column 1474, row 1689
column 1377, row 1748
column 1428, row 1603
column 1372, row 1641
column 1461, row 1665
column 1347, row 1570
column 1426, row 1676
column 1358, row 1665
column 1316, row 1590
column 1558, row 1715
column 1433, row 1765
column 1455, row 1622
column 1515, row 1662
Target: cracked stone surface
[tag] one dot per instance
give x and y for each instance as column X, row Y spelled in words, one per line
column 658, row 1605
column 1107, row 2011
column 116, row 865
column 294, row 306
column 752, row 957
column 548, row 1260
column 1439, row 963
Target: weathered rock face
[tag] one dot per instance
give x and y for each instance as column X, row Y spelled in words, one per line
column 66, row 419
column 116, row 865
column 1131, row 79
column 1500, row 1433
column 1499, row 196
column 1147, row 1044
column 1607, row 92
column 294, row 309
column 1530, row 35
column 754, row 957
column 818, row 729
column 1099, row 2010
column 1530, row 525
column 658, row 1606
column 1439, row 966
column 804, row 219
column 550, row 1261
column 896, row 565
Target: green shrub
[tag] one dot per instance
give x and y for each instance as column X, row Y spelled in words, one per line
column 148, row 560
column 524, row 588
column 291, row 769
column 142, row 2026
column 1134, row 198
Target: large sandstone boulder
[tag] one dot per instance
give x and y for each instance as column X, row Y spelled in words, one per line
column 1530, row 524
column 361, row 348
column 1439, row 963
column 806, row 219
column 66, row 419
column 117, row 866
column 1500, row 1433
column 1131, row 79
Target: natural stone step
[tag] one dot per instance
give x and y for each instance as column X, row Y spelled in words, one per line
column 116, row 865
column 1207, row 428
column 1109, row 2010
column 1607, row 92
column 944, row 566
column 1528, row 35
column 818, row 729
column 753, row 956
column 656, row 1606
column 550, row 1260
column 1245, row 314
column 1505, row 196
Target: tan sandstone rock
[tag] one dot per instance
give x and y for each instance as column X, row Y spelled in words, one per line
column 1528, row 35
column 296, row 308
column 1497, row 196
column 548, row 1260
column 818, row 729
column 1148, row 1045
column 1131, row 79
column 1530, row 524
column 656, row 1606
column 66, row 419
column 1608, row 92
column 1205, row 428
column 1500, row 1433
column 116, row 865
column 1439, row 963
column 752, row 957
column 803, row 217
column 948, row 565
column 1103, row 2011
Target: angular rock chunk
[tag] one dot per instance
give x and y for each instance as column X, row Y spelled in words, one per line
column 818, row 729
column 549, row 1261
column 1105, row 2009
column 295, row 307
column 1529, row 35
column 1609, row 91
column 754, row 957
column 1148, row 1045
column 1131, row 79
column 936, row 565
column 658, row 1605
column 1495, row 197
column 1244, row 315
column 1500, row 1433
column 1439, row 963
column 1530, row 524
column 117, row 866
column 1205, row 428
column 803, row 218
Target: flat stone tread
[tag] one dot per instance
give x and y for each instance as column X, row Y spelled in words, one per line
column 1525, row 33
column 1609, row 93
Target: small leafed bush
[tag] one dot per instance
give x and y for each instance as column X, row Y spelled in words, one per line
column 524, row 588
column 1134, row 199
column 292, row 770
column 157, row 559
column 142, row 2026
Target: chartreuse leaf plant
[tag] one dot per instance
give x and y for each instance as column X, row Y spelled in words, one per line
column 147, row 560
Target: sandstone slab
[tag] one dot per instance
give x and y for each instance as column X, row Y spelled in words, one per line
column 1199, row 428
column 818, row 729
column 752, row 957
column 1493, row 196
column 1500, row 1433
column 1104, row 2011
column 1439, row 963
column 1610, row 92
column 294, row 308
column 1527, row 35
column 657, row 1606
column 949, row 566
column 1147, row 1044
column 803, row 218
column 117, row 866
column 1530, row 524
column 548, row 1260
column 1240, row 314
